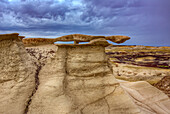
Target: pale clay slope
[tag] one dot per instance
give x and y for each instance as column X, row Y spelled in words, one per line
column 137, row 73
column 80, row 82
column 16, row 77
column 149, row 99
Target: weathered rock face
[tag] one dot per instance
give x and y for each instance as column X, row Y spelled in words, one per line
column 149, row 99
column 79, row 81
column 17, row 73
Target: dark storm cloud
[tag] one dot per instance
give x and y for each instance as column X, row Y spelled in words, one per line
column 26, row 14
column 140, row 19
column 37, row 9
column 26, row 11
column 109, row 8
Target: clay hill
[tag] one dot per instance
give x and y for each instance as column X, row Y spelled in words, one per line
column 40, row 77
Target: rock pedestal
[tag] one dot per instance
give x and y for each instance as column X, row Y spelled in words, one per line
column 17, row 73
column 78, row 81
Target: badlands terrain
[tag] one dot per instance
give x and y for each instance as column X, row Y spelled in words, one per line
column 40, row 77
column 141, row 63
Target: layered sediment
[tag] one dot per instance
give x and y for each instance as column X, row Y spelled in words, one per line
column 17, row 73
column 146, row 56
column 80, row 82
column 140, row 63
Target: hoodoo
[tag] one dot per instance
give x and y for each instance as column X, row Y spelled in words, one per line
column 17, row 73
column 48, row 78
column 78, row 80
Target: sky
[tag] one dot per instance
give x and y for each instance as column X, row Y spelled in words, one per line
column 147, row 22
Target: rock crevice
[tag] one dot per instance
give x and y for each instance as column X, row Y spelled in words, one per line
column 36, row 88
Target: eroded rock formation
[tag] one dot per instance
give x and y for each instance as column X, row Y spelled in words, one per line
column 87, row 38
column 76, row 38
column 17, row 72
column 65, row 78
column 79, row 81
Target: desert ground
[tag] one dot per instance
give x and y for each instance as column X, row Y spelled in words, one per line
column 141, row 63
